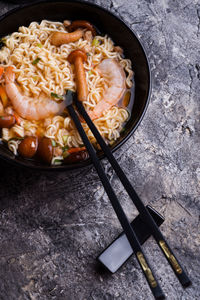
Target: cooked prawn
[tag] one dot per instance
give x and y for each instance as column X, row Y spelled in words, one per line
column 114, row 74
column 27, row 107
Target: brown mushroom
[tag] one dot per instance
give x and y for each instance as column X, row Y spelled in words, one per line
column 7, row 121
column 45, row 150
column 77, row 57
column 81, row 24
column 28, row 146
column 59, row 38
column 76, row 157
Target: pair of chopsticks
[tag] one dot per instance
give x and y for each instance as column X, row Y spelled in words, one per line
column 145, row 215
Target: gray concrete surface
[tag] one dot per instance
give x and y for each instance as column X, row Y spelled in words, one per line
column 52, row 226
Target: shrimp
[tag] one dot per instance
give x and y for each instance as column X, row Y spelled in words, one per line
column 116, row 79
column 27, row 107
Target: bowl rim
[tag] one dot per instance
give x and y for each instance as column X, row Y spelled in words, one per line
column 124, row 140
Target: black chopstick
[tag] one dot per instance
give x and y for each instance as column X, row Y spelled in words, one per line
column 143, row 262
column 158, row 236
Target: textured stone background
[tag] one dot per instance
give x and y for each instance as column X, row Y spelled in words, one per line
column 52, row 226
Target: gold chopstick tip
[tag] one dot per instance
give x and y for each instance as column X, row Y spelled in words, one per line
column 170, row 257
column 146, row 269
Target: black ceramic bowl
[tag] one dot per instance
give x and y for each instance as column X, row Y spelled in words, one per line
column 107, row 23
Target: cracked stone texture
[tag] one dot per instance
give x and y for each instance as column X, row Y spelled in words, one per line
column 52, row 226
